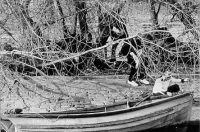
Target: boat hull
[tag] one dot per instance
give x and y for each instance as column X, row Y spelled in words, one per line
column 154, row 114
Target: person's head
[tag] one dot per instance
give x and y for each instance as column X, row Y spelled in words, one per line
column 167, row 75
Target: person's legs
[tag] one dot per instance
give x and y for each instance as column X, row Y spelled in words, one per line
column 133, row 71
column 133, row 74
column 132, row 77
column 142, row 72
column 142, row 75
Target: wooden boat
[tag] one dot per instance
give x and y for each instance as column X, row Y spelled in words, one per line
column 119, row 117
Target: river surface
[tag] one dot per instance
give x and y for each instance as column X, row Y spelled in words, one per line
column 191, row 126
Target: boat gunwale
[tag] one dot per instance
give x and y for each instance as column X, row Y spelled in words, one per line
column 85, row 114
column 116, row 122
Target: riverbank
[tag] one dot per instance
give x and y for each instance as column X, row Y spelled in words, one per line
column 42, row 94
column 195, row 113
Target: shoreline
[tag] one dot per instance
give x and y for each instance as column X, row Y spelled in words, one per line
column 195, row 115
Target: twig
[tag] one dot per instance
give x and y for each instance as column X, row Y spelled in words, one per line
column 7, row 32
column 143, row 99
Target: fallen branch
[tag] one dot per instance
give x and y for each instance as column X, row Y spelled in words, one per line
column 87, row 51
column 23, row 53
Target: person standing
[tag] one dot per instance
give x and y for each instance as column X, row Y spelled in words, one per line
column 132, row 49
column 137, row 70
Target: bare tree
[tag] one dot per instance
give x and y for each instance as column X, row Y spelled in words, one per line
column 154, row 13
column 74, row 35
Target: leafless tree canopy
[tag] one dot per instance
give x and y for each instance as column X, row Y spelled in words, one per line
column 55, row 55
column 71, row 37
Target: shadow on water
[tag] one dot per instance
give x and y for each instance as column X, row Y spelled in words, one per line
column 191, row 126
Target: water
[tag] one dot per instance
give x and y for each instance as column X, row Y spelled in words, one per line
column 191, row 126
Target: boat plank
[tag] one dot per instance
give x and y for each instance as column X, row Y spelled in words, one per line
column 123, row 122
column 98, row 113
column 121, row 118
column 128, row 127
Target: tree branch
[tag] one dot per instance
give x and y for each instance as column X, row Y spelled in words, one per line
column 7, row 32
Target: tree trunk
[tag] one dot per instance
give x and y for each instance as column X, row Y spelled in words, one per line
column 25, row 14
column 64, row 27
column 82, row 12
column 50, row 12
column 153, row 14
column 75, row 24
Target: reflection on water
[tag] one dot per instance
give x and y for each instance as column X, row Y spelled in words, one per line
column 191, row 126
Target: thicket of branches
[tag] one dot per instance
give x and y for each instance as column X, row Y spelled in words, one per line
column 72, row 37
